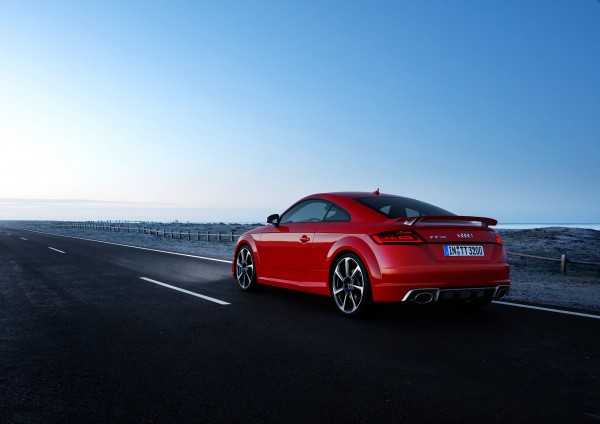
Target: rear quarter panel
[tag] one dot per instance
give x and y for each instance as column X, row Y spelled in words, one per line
column 333, row 239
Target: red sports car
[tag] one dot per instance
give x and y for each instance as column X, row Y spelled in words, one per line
column 361, row 248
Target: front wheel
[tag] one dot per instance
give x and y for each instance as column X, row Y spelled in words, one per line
column 350, row 286
column 245, row 270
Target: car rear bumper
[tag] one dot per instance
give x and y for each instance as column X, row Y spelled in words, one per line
column 444, row 282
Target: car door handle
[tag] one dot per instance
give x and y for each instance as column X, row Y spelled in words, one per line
column 304, row 239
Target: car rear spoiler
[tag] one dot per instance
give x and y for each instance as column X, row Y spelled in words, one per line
column 413, row 220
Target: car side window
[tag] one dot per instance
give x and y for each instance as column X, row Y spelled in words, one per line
column 308, row 211
column 337, row 214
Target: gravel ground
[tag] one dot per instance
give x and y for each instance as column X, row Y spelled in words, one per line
column 533, row 281
column 541, row 282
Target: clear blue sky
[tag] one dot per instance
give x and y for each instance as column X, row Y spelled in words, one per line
column 231, row 110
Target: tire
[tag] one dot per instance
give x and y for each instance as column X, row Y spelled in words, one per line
column 350, row 287
column 245, row 270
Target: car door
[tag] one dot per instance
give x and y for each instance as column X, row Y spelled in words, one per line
column 285, row 249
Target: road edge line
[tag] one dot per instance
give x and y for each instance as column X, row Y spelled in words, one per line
column 540, row 308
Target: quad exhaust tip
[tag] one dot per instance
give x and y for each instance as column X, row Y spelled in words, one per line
column 423, row 298
column 501, row 292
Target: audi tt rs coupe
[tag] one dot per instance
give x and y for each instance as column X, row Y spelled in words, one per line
column 361, row 248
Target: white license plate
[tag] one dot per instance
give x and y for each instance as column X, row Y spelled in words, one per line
column 463, row 250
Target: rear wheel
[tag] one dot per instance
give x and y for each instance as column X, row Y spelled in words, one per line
column 350, row 286
column 245, row 270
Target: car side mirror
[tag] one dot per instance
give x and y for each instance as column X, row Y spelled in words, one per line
column 273, row 219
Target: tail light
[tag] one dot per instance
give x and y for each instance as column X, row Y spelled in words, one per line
column 498, row 239
column 395, row 237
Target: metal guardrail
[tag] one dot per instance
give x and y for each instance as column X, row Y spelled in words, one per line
column 563, row 260
column 174, row 234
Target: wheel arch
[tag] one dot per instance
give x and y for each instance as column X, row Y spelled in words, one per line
column 251, row 244
column 361, row 249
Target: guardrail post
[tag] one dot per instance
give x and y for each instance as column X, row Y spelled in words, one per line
column 207, row 236
column 180, row 235
column 563, row 264
column 189, row 235
column 232, row 236
column 219, row 236
column 197, row 235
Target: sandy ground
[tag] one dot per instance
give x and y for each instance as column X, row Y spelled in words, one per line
column 533, row 281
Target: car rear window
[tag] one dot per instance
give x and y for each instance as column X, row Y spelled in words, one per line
column 401, row 207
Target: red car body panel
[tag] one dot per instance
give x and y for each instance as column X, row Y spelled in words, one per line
column 300, row 255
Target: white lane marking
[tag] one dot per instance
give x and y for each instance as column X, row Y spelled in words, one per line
column 211, row 299
column 137, row 247
column 56, row 250
column 539, row 308
column 23, row 238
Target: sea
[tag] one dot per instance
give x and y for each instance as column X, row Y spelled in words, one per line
column 527, row 226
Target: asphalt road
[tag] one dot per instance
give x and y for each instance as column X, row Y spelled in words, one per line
column 84, row 339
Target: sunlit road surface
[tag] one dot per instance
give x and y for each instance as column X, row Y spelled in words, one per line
column 93, row 332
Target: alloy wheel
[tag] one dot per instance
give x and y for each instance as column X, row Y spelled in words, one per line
column 349, row 285
column 244, row 268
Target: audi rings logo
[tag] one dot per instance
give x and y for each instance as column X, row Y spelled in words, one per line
column 465, row 235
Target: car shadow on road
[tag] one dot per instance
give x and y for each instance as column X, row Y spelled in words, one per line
column 432, row 315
